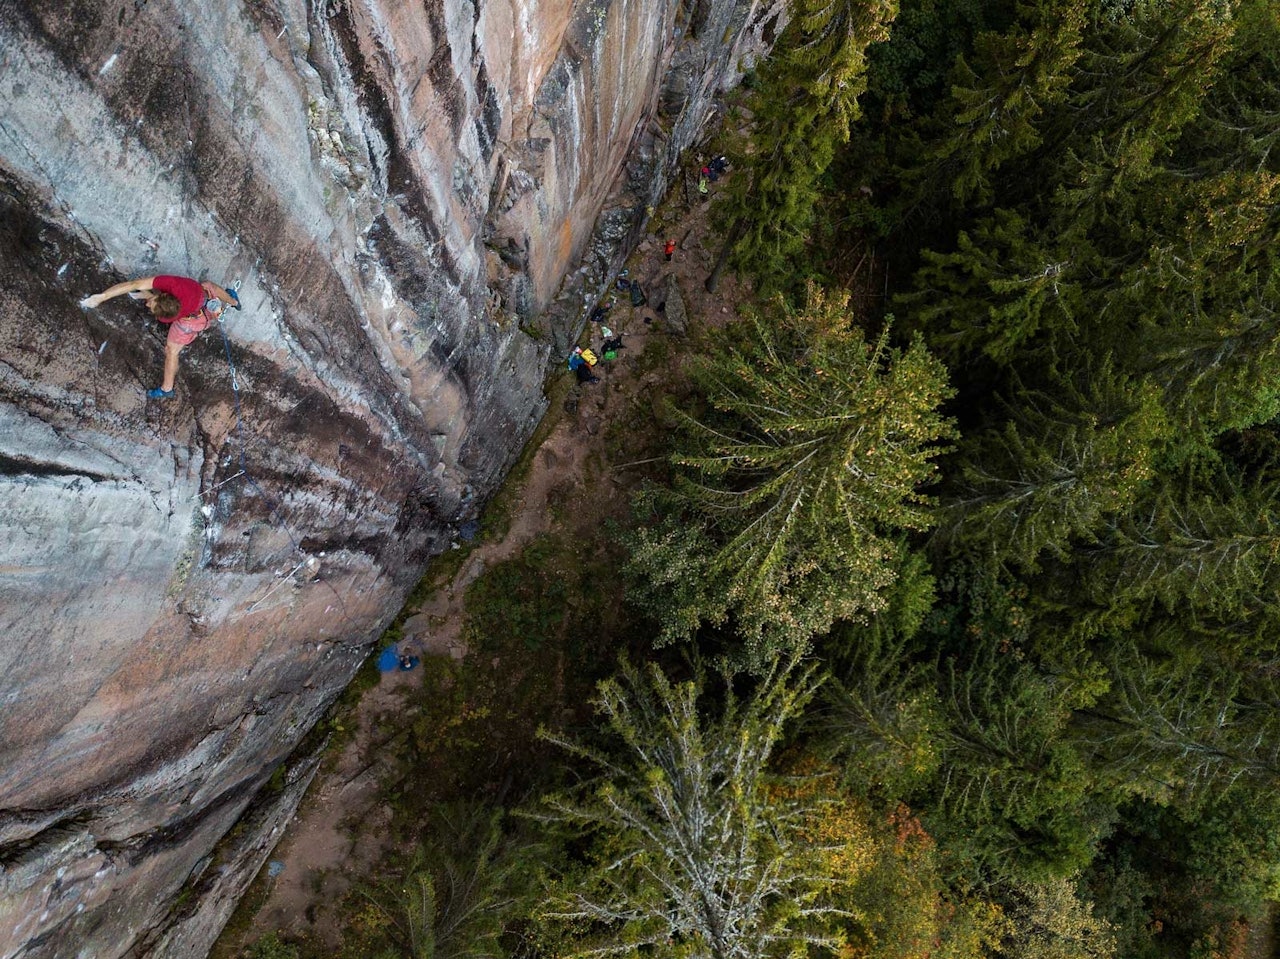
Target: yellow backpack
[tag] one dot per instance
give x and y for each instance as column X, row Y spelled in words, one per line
column 590, row 357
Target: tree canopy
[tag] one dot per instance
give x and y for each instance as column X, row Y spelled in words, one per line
column 795, row 483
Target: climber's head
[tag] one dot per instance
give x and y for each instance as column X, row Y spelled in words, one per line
column 163, row 306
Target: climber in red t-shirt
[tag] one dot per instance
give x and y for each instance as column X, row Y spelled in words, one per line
column 185, row 305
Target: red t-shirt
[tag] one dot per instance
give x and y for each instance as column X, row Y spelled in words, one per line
column 190, row 294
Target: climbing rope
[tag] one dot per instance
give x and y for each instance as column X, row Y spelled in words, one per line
column 275, row 511
column 239, row 433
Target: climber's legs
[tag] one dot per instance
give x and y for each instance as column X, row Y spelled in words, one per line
column 171, row 351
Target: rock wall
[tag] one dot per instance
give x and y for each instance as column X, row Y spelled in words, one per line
column 400, row 190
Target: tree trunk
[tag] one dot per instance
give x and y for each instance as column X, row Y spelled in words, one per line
column 735, row 234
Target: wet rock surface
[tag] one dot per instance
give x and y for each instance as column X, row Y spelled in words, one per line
column 399, row 191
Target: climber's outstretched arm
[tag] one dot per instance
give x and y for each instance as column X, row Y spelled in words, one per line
column 141, row 285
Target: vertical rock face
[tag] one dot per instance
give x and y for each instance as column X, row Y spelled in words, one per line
column 399, row 189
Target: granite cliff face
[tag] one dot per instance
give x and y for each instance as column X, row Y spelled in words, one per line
column 400, row 190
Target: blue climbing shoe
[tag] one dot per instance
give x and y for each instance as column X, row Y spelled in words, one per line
column 159, row 394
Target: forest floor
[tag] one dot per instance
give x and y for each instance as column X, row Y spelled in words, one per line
column 575, row 476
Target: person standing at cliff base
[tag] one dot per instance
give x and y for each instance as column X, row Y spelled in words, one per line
column 186, row 306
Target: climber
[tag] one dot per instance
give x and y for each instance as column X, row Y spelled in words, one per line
column 669, row 249
column 580, row 362
column 187, row 307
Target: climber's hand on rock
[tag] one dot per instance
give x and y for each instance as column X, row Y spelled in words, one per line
column 89, row 302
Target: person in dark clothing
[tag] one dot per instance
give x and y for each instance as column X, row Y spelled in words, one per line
column 581, row 368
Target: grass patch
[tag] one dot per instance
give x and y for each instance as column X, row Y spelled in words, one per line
column 254, row 898
column 542, row 628
column 525, row 598
column 271, row 946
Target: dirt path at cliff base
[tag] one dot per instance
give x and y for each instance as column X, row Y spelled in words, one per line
column 342, row 829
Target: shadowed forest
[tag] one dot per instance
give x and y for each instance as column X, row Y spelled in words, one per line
column 941, row 620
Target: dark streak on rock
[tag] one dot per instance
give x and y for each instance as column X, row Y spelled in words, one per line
column 401, row 179
column 489, row 122
column 20, row 466
column 414, row 282
column 63, row 27
column 30, row 848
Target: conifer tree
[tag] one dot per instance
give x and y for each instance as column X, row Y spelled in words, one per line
column 1237, row 129
column 997, row 102
column 880, row 714
column 1181, row 724
column 1106, row 236
column 455, row 894
column 693, row 853
column 1202, row 547
column 1103, row 283
column 1140, row 83
column 808, row 96
column 1209, row 297
column 972, row 717
column 1003, row 291
column 1049, row 480
column 793, row 487
column 1018, row 795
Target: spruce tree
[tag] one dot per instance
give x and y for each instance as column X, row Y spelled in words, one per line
column 1140, row 83
column 807, row 98
column 1004, row 291
column 792, row 488
column 692, row 851
column 1204, row 547
column 997, row 103
column 1182, row 724
column 1066, row 465
column 1017, row 792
